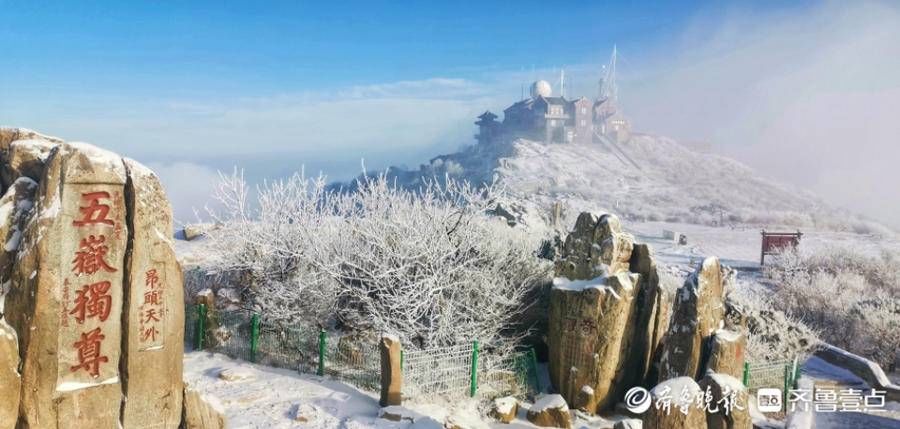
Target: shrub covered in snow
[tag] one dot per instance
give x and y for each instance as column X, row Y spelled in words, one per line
column 426, row 264
column 851, row 298
column 773, row 334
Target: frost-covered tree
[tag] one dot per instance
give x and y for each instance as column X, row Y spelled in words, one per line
column 426, row 264
column 851, row 298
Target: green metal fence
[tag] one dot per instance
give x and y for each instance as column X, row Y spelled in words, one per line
column 451, row 371
column 248, row 336
column 782, row 374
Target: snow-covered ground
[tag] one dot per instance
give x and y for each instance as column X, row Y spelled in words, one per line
column 739, row 246
column 256, row 396
column 826, row 376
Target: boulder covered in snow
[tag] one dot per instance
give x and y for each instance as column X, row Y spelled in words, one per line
column 727, row 353
column 588, row 336
column 674, row 406
column 505, row 409
column 7, row 137
column 728, row 402
column 202, row 412
column 604, row 332
column 25, row 158
column 95, row 292
column 550, row 411
column 651, row 318
column 10, row 381
column 596, row 247
column 698, row 312
column 66, row 295
column 196, row 230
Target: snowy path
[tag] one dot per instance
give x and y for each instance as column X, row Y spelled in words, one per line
column 256, row 396
column 269, row 397
column 828, row 376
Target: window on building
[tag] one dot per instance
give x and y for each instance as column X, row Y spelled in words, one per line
column 553, row 122
column 583, row 110
column 583, row 123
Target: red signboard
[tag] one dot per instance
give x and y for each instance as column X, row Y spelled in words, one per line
column 773, row 242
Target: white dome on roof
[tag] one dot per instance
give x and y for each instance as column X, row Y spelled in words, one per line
column 542, row 88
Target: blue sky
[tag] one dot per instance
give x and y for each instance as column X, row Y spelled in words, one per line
column 193, row 87
column 167, row 48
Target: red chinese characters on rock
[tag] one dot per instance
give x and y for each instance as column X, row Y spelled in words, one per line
column 95, row 212
column 91, row 256
column 89, row 355
column 94, row 300
column 152, row 308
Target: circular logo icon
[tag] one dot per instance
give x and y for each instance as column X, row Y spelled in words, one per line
column 637, row 400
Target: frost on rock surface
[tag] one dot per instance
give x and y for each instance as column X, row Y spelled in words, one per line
column 66, row 224
column 605, row 314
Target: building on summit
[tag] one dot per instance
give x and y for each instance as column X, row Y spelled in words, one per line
column 543, row 117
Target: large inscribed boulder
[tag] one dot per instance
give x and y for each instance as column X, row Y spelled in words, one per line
column 95, row 294
column 66, row 295
column 154, row 317
column 588, row 337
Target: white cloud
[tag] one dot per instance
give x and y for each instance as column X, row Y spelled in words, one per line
column 188, row 186
column 808, row 97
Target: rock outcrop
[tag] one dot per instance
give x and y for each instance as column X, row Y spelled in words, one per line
column 202, row 412
column 10, row 380
column 154, row 316
column 678, row 409
column 505, row 409
column 727, row 353
column 608, row 314
column 728, row 402
column 95, row 292
column 596, row 247
column 588, row 341
column 15, row 205
column 654, row 309
column 550, row 411
column 699, row 311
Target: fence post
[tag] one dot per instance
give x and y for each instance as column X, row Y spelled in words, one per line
column 796, row 374
column 201, row 327
column 746, row 378
column 533, row 361
column 321, row 370
column 787, row 376
column 473, row 381
column 254, row 336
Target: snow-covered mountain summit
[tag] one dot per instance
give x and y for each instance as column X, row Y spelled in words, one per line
column 647, row 178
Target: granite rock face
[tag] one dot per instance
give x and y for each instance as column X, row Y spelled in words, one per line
column 608, row 315
column 698, row 313
column 94, row 291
